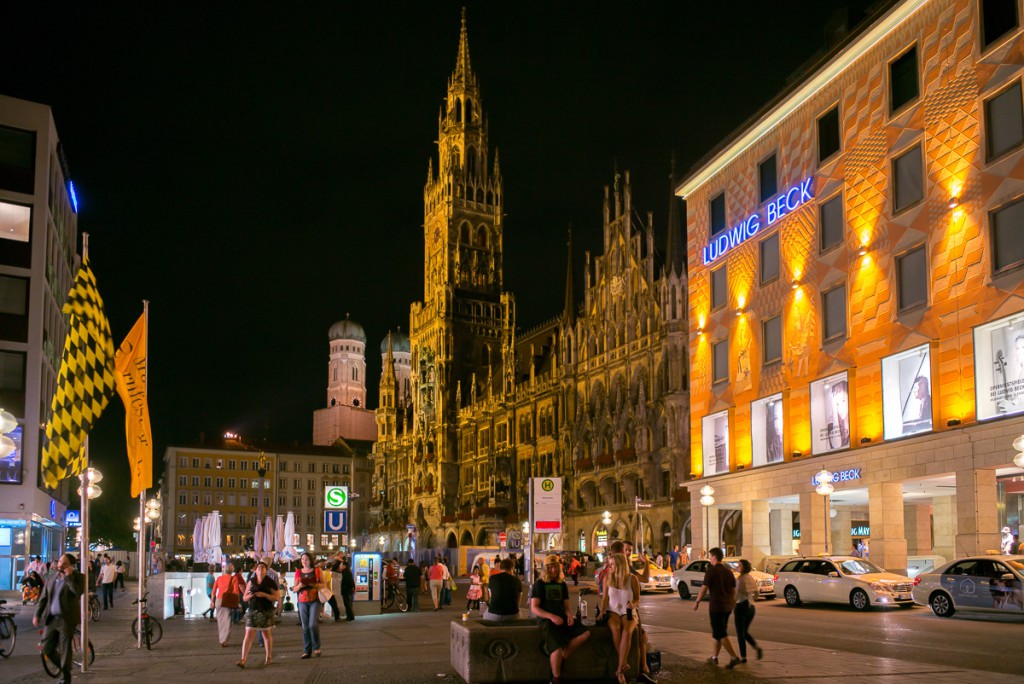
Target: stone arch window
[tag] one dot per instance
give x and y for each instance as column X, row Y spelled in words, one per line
column 464, row 233
column 467, row 538
column 469, row 111
column 458, row 111
column 471, row 160
column 490, row 197
column 480, row 195
column 481, row 237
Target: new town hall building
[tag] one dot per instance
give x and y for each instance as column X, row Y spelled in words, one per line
column 597, row 395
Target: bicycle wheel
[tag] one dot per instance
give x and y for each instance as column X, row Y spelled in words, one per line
column 94, row 608
column 156, row 632
column 49, row 666
column 389, row 600
column 76, row 655
column 8, row 635
column 400, row 600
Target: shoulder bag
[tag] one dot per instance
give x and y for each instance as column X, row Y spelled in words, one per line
column 229, row 599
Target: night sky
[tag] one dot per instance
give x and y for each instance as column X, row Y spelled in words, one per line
column 256, row 170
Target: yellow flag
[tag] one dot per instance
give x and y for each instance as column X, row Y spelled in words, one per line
column 131, row 365
column 84, row 383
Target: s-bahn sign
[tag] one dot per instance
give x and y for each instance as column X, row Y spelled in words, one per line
column 335, row 497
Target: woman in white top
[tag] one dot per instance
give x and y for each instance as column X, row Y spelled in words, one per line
column 746, row 594
column 619, row 601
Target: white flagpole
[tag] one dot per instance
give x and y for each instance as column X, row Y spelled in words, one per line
column 143, row 526
column 84, row 546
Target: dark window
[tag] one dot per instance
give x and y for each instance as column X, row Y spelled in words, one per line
column 770, row 258
column 998, row 17
column 771, row 331
column 903, row 79
column 1004, row 121
column 12, row 382
column 720, row 352
column 17, row 160
column 1008, row 236
column 834, row 315
column 831, row 219
column 791, row 566
column 719, row 288
column 908, row 178
column 718, row 214
column 828, row 134
column 767, row 174
column 912, row 271
column 14, row 309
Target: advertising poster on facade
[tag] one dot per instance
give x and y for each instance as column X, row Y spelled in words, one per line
column 907, row 392
column 830, row 413
column 999, row 367
column 766, row 430
column 715, row 429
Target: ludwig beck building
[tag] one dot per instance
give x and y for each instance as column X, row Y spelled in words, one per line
column 856, row 280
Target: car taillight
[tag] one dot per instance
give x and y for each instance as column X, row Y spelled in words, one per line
column 917, row 580
column 775, row 578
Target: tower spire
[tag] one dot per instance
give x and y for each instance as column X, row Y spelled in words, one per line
column 463, row 70
column 675, row 252
column 570, row 300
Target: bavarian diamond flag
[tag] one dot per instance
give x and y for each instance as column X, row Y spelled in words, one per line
column 85, row 382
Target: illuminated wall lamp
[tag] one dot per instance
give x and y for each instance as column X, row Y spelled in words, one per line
column 1018, row 444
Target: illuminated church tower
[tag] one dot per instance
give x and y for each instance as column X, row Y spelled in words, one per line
column 461, row 333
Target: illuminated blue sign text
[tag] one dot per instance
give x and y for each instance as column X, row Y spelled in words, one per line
column 841, row 476
column 787, row 202
column 74, row 197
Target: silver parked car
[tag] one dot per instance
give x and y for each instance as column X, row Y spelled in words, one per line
column 842, row 579
column 977, row 583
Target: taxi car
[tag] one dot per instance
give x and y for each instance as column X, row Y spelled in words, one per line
column 687, row 580
column 990, row 584
column 842, row 579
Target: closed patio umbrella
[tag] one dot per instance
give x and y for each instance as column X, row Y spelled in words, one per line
column 197, row 542
column 268, row 537
column 279, row 535
column 213, row 553
column 257, row 540
column 289, row 553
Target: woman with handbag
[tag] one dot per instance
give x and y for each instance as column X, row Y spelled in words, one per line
column 225, row 600
column 261, row 592
column 308, row 582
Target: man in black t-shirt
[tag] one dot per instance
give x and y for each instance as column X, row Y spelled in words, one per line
column 506, row 590
column 720, row 584
column 549, row 603
column 412, row 585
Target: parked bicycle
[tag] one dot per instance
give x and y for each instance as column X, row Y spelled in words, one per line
column 53, row 668
column 394, row 597
column 8, row 631
column 94, row 606
column 152, row 632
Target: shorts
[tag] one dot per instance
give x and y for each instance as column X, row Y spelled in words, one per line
column 559, row 636
column 259, row 619
column 720, row 625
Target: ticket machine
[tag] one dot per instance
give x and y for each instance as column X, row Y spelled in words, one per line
column 367, row 569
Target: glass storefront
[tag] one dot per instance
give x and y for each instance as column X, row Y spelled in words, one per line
column 19, row 540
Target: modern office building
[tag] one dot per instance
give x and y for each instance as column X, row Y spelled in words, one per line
column 856, row 255
column 38, row 261
column 246, row 483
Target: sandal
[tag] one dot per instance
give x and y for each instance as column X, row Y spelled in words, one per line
column 241, row 664
column 268, row 661
column 317, row 653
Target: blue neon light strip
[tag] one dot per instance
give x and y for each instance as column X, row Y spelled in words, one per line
column 74, row 197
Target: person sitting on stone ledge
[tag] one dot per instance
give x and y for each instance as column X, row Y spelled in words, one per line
column 549, row 603
column 506, row 591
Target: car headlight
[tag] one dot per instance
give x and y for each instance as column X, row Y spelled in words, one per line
column 878, row 586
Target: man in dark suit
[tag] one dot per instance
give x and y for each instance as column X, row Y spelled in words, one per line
column 348, row 589
column 59, row 609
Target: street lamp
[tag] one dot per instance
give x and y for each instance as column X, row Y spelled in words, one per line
column 824, row 487
column 94, row 477
column 707, row 498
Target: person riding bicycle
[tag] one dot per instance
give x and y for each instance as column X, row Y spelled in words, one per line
column 31, row 585
column 391, row 576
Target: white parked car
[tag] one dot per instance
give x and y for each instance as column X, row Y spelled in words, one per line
column 978, row 583
column 687, row 580
column 842, row 579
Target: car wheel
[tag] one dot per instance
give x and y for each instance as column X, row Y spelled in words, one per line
column 684, row 591
column 792, row 596
column 859, row 600
column 942, row 604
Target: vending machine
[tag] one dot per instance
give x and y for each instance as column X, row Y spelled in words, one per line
column 367, row 568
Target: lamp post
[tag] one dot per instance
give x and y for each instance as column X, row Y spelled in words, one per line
column 707, row 499
column 152, row 515
column 825, row 488
column 261, row 470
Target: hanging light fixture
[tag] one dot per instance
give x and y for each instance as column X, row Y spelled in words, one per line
column 1018, row 444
